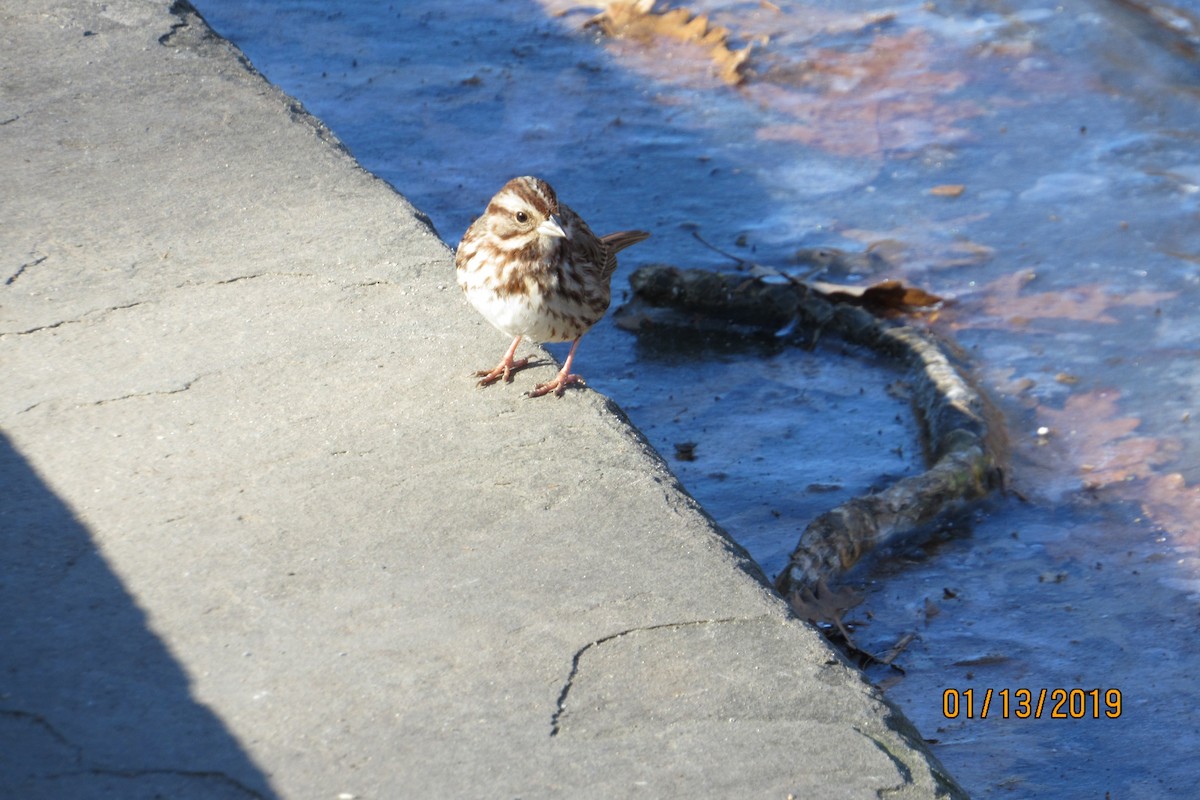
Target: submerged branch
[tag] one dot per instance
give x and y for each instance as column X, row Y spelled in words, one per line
column 963, row 438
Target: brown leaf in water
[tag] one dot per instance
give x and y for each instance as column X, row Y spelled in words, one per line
column 948, row 190
column 639, row 20
column 885, row 297
column 1107, row 455
column 1006, row 299
column 885, row 97
column 1099, row 444
column 1170, row 502
column 964, row 253
column 899, row 647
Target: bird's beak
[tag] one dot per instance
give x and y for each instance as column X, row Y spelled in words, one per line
column 552, row 227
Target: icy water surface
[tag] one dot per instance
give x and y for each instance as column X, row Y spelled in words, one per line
column 1037, row 164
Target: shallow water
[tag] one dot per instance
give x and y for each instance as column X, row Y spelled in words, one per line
column 1069, row 257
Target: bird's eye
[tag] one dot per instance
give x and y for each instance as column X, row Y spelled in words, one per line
column 522, row 217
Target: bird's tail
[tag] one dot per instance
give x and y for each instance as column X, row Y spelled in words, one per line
column 615, row 243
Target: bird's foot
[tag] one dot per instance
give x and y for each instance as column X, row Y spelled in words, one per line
column 504, row 370
column 559, row 385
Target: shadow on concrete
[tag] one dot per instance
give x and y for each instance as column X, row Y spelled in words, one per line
column 91, row 702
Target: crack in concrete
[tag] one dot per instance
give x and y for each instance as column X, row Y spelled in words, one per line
column 21, row 269
column 44, row 724
column 208, row 284
column 154, row 393
column 222, row 777
column 106, row 400
column 255, row 276
column 561, row 705
column 100, row 312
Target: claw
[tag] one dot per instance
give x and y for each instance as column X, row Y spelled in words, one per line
column 505, row 368
column 558, row 385
column 563, row 379
column 502, row 370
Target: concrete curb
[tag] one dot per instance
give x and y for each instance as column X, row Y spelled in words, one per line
column 263, row 536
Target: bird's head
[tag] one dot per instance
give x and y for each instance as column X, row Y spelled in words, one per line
column 525, row 214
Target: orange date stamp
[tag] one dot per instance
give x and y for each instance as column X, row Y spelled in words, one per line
column 1031, row 703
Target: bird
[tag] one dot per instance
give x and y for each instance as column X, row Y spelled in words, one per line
column 533, row 268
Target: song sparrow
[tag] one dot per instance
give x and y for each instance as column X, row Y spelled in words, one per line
column 534, row 269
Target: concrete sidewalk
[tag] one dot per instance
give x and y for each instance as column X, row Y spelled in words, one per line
column 262, row 536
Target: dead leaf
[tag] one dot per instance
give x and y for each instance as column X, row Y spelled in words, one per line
column 1098, row 444
column 1088, row 446
column 964, row 253
column 899, row 647
column 640, row 21
column 885, row 297
column 1170, row 502
column 886, row 97
column 1007, row 300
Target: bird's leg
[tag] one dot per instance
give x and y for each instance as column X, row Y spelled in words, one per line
column 563, row 379
column 505, row 368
